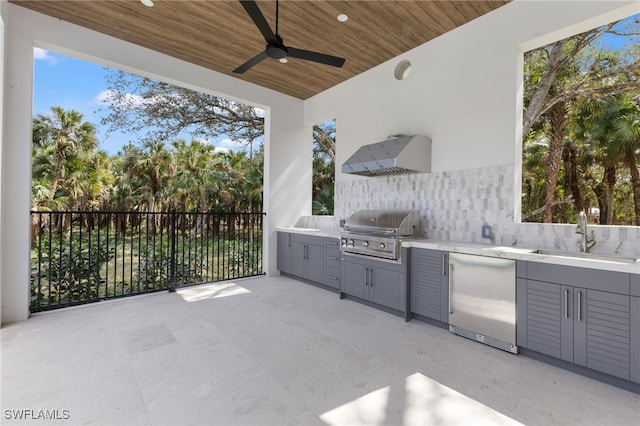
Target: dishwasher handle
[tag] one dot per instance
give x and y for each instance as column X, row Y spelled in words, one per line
column 450, row 287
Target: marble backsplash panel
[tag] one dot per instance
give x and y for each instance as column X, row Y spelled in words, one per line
column 455, row 205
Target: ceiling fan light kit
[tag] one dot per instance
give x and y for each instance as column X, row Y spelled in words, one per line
column 276, row 48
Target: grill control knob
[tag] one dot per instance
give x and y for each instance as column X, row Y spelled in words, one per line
column 351, row 243
column 365, row 243
column 382, row 246
column 344, row 242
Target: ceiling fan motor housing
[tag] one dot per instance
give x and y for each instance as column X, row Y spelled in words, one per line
column 276, row 51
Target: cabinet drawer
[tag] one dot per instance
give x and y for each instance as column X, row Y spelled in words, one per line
column 593, row 279
column 332, row 258
column 635, row 285
column 332, row 243
column 307, row 239
column 332, row 277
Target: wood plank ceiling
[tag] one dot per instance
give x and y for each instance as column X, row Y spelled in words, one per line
column 219, row 35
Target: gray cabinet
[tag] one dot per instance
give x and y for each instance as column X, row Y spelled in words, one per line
column 306, row 257
column 331, row 276
column 375, row 281
column 582, row 324
column 428, row 284
column 284, row 252
column 634, row 372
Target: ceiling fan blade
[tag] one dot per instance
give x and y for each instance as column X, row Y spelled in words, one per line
column 315, row 57
column 258, row 18
column 250, row 63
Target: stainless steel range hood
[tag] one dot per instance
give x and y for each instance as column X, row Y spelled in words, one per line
column 397, row 154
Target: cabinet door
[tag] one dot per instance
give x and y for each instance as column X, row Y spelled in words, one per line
column 385, row 288
column 353, row 279
column 428, row 284
column 284, row 252
column 298, row 258
column 314, row 263
column 602, row 331
column 548, row 319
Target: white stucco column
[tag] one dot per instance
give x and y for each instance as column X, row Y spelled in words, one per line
column 2, row 59
column 287, row 173
column 16, row 172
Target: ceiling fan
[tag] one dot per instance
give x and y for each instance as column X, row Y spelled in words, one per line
column 275, row 47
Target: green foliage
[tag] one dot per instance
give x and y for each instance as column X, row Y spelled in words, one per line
column 598, row 86
column 68, row 270
column 324, row 168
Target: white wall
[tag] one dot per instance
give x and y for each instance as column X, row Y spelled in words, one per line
column 287, row 139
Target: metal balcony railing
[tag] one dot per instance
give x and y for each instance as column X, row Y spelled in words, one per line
column 82, row 257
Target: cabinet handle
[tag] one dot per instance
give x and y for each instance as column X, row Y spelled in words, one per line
column 579, row 306
column 450, row 287
column 444, row 264
column 566, row 303
column 370, row 277
column 332, row 258
column 306, row 252
column 289, row 242
column 366, row 276
column 332, row 278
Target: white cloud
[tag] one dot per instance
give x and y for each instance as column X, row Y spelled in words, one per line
column 44, row 55
column 229, row 144
column 221, row 149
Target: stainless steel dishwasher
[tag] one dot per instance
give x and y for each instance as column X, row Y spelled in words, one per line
column 482, row 299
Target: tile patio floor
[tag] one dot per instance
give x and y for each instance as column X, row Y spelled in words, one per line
column 274, row 351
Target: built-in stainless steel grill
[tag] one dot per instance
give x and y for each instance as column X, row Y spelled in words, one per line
column 379, row 233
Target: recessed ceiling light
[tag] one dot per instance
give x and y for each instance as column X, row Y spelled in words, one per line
column 342, row 17
column 148, row 3
column 283, row 60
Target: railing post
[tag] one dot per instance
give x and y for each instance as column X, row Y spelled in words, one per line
column 172, row 260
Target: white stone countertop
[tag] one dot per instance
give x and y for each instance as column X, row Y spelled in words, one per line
column 331, row 233
column 607, row 262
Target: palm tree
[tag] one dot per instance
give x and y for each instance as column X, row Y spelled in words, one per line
column 626, row 144
column 65, row 133
column 611, row 125
column 324, row 160
column 149, row 168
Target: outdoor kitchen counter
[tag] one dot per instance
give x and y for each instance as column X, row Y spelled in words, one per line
column 527, row 254
column 516, row 253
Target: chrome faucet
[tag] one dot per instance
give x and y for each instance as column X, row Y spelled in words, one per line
column 581, row 228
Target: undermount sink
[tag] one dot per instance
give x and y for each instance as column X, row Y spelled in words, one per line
column 590, row 256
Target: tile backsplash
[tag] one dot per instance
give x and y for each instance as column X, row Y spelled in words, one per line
column 455, row 205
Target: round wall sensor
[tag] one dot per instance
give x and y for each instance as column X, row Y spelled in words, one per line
column 402, row 70
column 342, row 17
column 148, row 3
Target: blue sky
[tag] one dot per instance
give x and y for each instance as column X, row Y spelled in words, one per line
column 75, row 84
